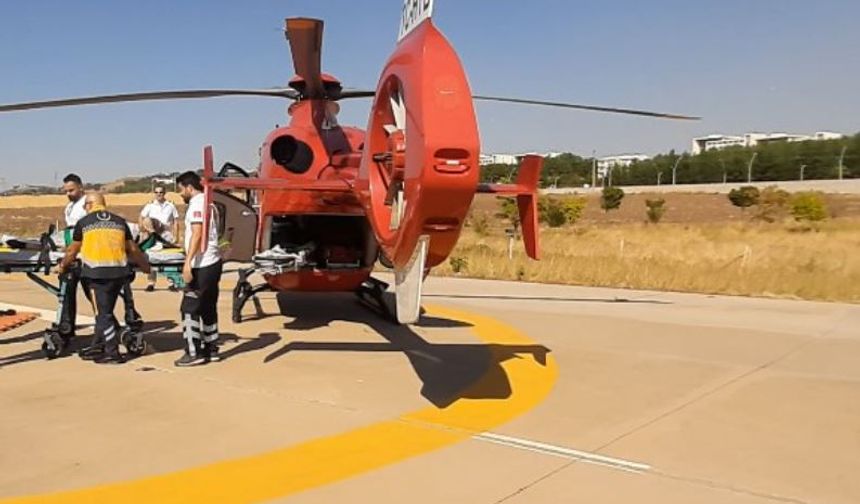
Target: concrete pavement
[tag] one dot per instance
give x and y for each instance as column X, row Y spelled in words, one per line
column 505, row 392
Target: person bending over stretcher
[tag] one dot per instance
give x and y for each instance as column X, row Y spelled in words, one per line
column 104, row 243
column 158, row 224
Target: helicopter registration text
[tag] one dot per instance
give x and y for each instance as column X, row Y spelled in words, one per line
column 414, row 12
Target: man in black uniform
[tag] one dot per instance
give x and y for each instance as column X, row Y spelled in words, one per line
column 104, row 243
column 202, row 273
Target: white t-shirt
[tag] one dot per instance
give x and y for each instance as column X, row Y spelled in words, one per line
column 164, row 213
column 194, row 215
column 75, row 211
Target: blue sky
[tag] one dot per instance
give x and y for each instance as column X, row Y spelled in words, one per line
column 766, row 65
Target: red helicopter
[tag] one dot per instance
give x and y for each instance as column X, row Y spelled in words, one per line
column 329, row 201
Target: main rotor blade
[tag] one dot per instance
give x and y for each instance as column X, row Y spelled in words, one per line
column 587, row 107
column 360, row 93
column 305, row 38
column 356, row 93
column 148, row 96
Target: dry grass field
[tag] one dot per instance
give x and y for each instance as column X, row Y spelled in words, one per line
column 703, row 244
column 52, row 201
column 31, row 215
column 777, row 260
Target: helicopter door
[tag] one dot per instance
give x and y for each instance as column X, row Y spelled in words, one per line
column 237, row 226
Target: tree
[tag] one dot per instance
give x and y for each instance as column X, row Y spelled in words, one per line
column 655, row 209
column 808, row 207
column 770, row 204
column 775, row 160
column 744, row 197
column 611, row 198
column 510, row 212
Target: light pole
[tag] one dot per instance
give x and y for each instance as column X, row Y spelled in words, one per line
column 841, row 159
column 659, row 176
column 750, row 166
column 801, row 171
column 593, row 168
column 675, row 169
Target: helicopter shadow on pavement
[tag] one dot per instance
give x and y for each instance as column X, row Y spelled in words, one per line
column 448, row 371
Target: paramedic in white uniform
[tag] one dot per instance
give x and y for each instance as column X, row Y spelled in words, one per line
column 73, row 187
column 164, row 218
column 202, row 273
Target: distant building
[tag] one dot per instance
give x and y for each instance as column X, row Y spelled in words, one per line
column 512, row 159
column 28, row 189
column 488, row 159
column 717, row 142
column 606, row 163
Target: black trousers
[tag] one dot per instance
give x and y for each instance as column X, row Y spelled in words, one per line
column 68, row 299
column 69, row 302
column 105, row 292
column 199, row 307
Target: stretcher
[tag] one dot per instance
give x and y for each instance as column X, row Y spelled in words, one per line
column 37, row 258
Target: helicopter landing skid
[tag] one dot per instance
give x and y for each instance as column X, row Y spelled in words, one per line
column 245, row 291
column 371, row 295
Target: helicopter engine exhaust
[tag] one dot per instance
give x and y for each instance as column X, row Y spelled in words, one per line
column 292, row 154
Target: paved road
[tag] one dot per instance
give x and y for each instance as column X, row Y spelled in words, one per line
column 846, row 186
column 506, row 392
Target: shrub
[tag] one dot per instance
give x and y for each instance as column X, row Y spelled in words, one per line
column 552, row 213
column 771, row 203
column 611, row 198
column 744, row 197
column 808, row 207
column 573, row 208
column 655, row 209
column 458, row 264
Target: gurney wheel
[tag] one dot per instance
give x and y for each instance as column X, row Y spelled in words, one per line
column 56, row 346
column 133, row 342
column 65, row 328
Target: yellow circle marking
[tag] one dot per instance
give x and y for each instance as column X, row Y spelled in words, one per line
column 529, row 369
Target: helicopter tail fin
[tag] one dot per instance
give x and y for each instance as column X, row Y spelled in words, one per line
column 527, row 200
column 525, row 190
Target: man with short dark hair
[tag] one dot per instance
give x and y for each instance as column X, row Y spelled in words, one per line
column 104, row 243
column 73, row 187
column 202, row 273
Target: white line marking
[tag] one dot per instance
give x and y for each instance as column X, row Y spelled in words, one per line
column 46, row 315
column 560, row 451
